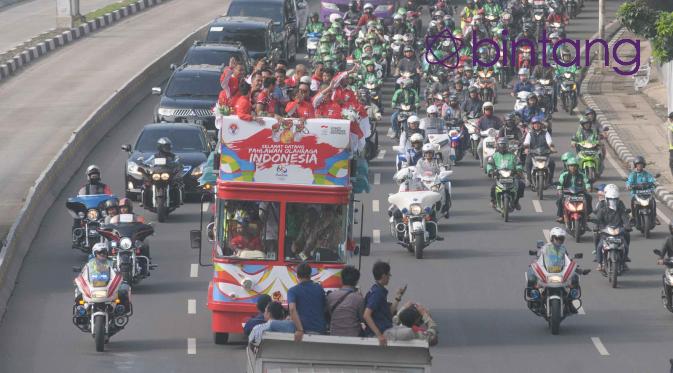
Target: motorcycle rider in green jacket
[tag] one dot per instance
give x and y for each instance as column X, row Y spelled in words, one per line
column 573, row 177
column 503, row 159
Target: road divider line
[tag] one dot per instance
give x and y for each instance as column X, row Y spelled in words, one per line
column 194, row 270
column 377, row 178
column 376, row 234
column 375, row 205
column 546, row 234
column 191, row 306
column 581, row 311
column 205, row 207
column 191, row 346
column 537, row 206
column 599, row 346
column 382, row 153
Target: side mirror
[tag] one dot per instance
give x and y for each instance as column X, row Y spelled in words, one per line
column 156, row 91
column 365, row 246
column 578, row 256
column 211, row 231
column 658, row 252
column 396, row 148
column 532, row 252
column 126, row 148
column 195, row 239
column 173, row 66
column 216, row 162
column 539, row 244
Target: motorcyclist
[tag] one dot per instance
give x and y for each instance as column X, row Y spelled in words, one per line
column 667, row 247
column 428, row 165
column 473, row 105
column 368, row 15
column 585, row 133
column 433, row 124
column 126, row 207
column 612, row 212
column 557, row 17
column 452, row 110
column 413, row 127
column 510, row 130
column 111, row 209
column 573, row 177
column 101, row 272
column 503, row 159
column 409, row 63
column 564, row 158
column 164, row 149
column 554, row 253
column 412, row 154
column 486, row 122
column 468, row 12
column 459, row 90
column 560, row 70
column 531, row 110
column 491, row 8
column 404, row 95
column 640, row 176
column 538, row 138
column 314, row 24
column 399, row 27
column 353, row 14
column 523, row 84
column 94, row 184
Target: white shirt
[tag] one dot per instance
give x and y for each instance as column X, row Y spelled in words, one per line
column 256, row 334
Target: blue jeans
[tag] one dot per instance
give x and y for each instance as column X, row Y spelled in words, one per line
column 393, row 119
column 599, row 247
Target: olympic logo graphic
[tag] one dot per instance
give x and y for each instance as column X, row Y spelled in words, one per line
column 431, row 41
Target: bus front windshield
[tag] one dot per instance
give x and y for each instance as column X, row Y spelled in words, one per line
column 315, row 232
column 248, row 230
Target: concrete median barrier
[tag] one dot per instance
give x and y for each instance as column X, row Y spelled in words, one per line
column 72, row 155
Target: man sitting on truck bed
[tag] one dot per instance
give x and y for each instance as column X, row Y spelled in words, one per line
column 346, row 305
column 262, row 302
column 414, row 323
column 306, row 301
column 275, row 322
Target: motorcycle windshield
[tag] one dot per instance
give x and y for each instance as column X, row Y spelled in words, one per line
column 136, row 231
column 92, row 201
column 540, row 152
column 554, row 261
column 99, row 274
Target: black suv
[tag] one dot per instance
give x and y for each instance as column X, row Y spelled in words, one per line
column 190, row 95
column 190, row 144
column 202, row 53
column 256, row 34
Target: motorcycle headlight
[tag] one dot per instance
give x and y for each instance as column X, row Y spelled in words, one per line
column 132, row 169
column 415, row 209
column 435, row 188
column 555, row 279
column 613, row 231
column 125, row 243
column 643, row 202
column 540, row 164
column 505, row 173
column 165, row 176
column 198, row 170
column 567, row 75
column 156, row 177
column 538, row 17
column 166, row 112
column 99, row 294
column 92, row 214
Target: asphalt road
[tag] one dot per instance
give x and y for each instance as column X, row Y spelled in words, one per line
column 472, row 283
column 27, row 19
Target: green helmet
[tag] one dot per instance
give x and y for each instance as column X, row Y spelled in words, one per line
column 368, row 62
column 402, row 10
column 324, row 49
column 328, row 58
column 565, row 156
column 572, row 161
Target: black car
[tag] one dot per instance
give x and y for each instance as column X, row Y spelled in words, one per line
column 190, row 95
column 190, row 144
column 256, row 34
column 283, row 13
column 218, row 54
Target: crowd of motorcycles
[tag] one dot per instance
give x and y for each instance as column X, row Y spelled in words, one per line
column 456, row 101
column 113, row 237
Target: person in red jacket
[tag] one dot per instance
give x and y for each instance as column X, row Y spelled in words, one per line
column 367, row 16
column 316, row 78
column 293, row 80
column 300, row 107
column 557, row 16
column 243, row 106
column 265, row 103
column 327, row 108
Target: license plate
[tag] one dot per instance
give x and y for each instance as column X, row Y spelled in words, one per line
column 506, row 180
column 160, row 161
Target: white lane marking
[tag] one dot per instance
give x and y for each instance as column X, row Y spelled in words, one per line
column 194, row 270
column 546, row 234
column 191, row 306
column 205, row 207
column 382, row 153
column 537, row 205
column 191, row 346
column 599, row 346
column 663, row 217
column 581, row 311
column 375, row 205
column 376, row 233
column 377, row 178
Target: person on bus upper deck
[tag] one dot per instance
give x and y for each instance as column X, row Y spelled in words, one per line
column 243, row 106
column 301, row 107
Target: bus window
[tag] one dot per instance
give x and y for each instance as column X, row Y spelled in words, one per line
column 315, row 232
column 248, row 230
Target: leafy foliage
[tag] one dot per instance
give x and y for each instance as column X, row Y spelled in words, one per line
column 638, row 18
column 662, row 44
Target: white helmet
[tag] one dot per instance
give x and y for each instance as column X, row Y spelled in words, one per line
column 398, row 37
column 397, row 16
column 487, row 104
column 523, row 71
column 333, row 17
column 368, row 6
column 98, row 248
column 611, row 191
column 432, row 109
column 557, row 232
column 413, row 119
column 416, row 137
column 428, row 148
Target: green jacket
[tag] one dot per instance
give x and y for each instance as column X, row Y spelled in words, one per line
column 372, row 77
column 315, row 27
column 492, row 9
column 405, row 96
column 577, row 179
column 503, row 161
column 581, row 136
column 560, row 69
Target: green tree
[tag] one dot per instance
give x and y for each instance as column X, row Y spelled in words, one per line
column 662, row 44
column 638, row 18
